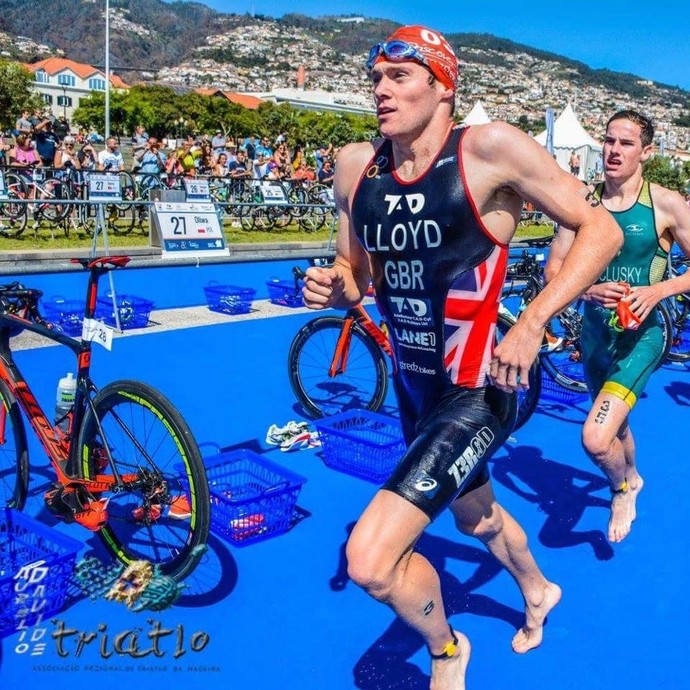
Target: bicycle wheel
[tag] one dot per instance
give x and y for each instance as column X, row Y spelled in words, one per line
column 11, row 225
column 14, row 454
column 161, row 511
column 119, row 218
column 562, row 359
column 527, row 400
column 55, row 190
column 675, row 313
column 362, row 385
column 16, row 190
column 128, row 190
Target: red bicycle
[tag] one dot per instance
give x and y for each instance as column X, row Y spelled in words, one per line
column 338, row 363
column 126, row 463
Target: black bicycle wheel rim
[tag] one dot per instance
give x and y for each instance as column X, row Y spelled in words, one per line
column 364, row 383
column 167, row 462
column 677, row 316
column 14, row 454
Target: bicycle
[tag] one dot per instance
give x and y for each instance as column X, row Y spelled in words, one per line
column 126, row 464
column 338, row 363
column 42, row 191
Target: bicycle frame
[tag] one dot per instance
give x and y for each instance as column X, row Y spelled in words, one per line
column 357, row 315
column 60, row 447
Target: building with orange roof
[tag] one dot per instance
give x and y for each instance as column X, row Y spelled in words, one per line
column 246, row 100
column 62, row 83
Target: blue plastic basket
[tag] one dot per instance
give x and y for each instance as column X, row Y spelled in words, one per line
column 251, row 498
column 133, row 311
column 43, row 588
column 284, row 293
column 65, row 314
column 361, row 443
column 552, row 391
column 229, row 299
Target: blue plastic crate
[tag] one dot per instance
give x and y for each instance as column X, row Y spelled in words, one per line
column 285, row 293
column 133, row 311
column 554, row 392
column 361, row 443
column 229, row 299
column 251, row 498
column 43, row 588
column 65, row 314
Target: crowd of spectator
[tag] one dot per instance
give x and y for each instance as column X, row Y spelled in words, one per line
column 216, row 155
column 41, row 140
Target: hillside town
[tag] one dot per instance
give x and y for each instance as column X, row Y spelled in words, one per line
column 518, row 85
column 271, row 60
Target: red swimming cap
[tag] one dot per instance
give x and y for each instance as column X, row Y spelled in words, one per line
column 434, row 47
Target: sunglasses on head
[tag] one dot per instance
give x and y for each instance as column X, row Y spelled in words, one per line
column 395, row 51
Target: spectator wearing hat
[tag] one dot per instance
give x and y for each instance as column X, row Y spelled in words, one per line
column 218, row 142
column 230, row 150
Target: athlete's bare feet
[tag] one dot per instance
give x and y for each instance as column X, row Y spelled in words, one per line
column 624, row 510
column 449, row 674
column 531, row 633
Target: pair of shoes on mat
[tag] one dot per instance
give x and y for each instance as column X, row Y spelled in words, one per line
column 278, row 434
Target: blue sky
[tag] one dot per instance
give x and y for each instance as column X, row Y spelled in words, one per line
column 651, row 40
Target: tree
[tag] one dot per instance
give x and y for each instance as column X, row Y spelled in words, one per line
column 667, row 172
column 16, row 93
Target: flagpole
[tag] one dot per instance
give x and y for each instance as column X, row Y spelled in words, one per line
column 107, row 69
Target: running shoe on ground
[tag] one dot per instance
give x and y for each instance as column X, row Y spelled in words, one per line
column 277, row 434
column 307, row 439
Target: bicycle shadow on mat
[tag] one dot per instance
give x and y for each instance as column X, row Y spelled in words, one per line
column 574, row 412
column 560, row 491
column 679, row 392
column 386, row 664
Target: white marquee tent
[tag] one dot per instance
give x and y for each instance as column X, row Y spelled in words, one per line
column 477, row 116
column 568, row 136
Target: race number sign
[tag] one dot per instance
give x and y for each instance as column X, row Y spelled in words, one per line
column 191, row 227
column 273, row 193
column 196, row 190
column 104, row 188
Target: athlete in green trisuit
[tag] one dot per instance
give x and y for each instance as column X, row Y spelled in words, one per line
column 618, row 362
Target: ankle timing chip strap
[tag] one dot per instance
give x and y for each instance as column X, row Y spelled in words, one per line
column 622, row 489
column 449, row 650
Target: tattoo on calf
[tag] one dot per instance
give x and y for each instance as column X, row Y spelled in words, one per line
column 429, row 608
column 600, row 417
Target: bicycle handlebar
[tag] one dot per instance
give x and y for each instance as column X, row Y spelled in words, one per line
column 16, row 300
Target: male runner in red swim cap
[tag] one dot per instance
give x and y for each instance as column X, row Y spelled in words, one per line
column 428, row 211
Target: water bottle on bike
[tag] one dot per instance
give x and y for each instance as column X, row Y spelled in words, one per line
column 64, row 400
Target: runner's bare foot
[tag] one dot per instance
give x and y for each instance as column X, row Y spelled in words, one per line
column 531, row 633
column 624, row 510
column 449, row 674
